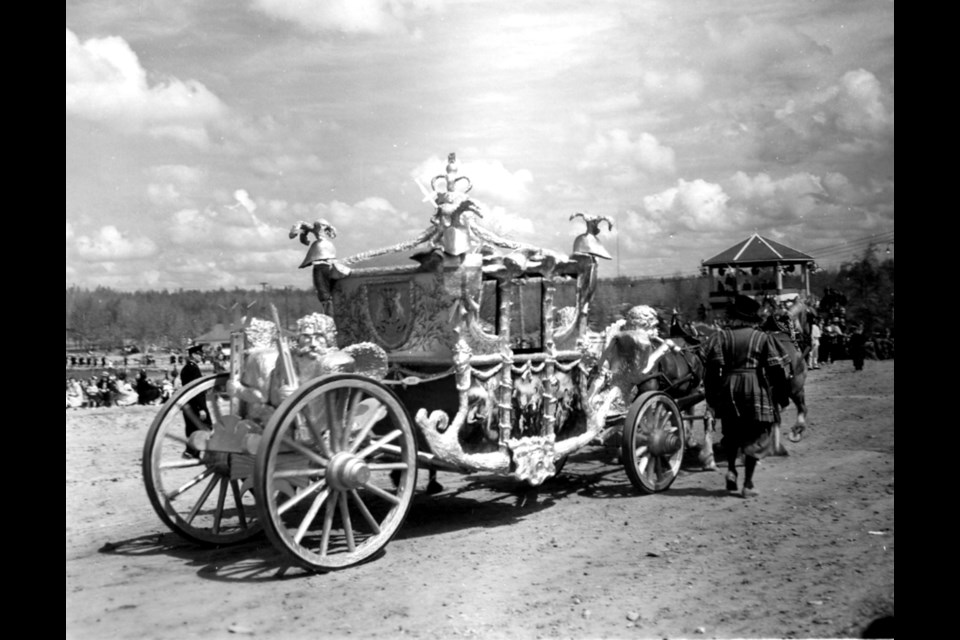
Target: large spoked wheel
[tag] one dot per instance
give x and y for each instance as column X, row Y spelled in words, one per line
column 653, row 441
column 203, row 496
column 336, row 470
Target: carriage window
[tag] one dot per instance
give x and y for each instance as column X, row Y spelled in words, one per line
column 526, row 332
column 565, row 303
column 489, row 306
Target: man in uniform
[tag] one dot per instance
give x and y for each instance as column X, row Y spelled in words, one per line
column 746, row 377
column 195, row 413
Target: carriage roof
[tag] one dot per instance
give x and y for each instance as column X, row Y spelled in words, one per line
column 457, row 284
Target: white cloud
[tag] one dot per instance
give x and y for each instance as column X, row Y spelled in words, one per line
column 860, row 105
column 685, row 84
column 163, row 194
column 349, row 16
column 490, row 179
column 856, row 106
column 243, row 198
column 746, row 47
column 231, row 227
column 106, row 83
column 109, row 244
column 787, row 199
column 696, row 205
column 509, row 225
column 287, row 164
column 622, row 159
column 178, row 174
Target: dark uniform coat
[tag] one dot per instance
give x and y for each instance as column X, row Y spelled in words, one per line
column 747, row 372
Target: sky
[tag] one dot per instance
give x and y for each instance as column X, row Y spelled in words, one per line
column 198, row 132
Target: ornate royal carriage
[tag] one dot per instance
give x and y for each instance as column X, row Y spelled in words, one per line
column 488, row 366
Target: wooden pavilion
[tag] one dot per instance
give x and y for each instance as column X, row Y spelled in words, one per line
column 758, row 267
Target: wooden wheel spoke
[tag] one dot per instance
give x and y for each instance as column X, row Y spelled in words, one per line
column 175, row 437
column 653, row 469
column 327, row 525
column 374, row 526
column 391, row 448
column 203, row 498
column 173, row 495
column 283, row 508
column 332, row 427
column 381, row 443
column 305, row 450
column 310, row 515
column 316, row 430
column 221, row 500
column 184, row 463
column 194, row 419
column 298, row 473
column 213, row 406
column 643, row 461
column 348, row 509
column 662, row 416
column 386, row 495
column 652, row 423
column 238, row 500
column 370, row 420
column 388, row 466
column 187, row 504
column 347, row 524
column 349, row 413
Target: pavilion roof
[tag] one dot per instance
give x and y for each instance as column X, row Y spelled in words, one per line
column 757, row 250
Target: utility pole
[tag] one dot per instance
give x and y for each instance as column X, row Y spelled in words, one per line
column 263, row 299
column 617, row 218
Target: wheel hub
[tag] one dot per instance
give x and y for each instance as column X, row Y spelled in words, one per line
column 347, row 471
column 664, row 443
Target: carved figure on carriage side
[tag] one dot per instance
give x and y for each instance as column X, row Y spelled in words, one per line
column 266, row 380
column 643, row 361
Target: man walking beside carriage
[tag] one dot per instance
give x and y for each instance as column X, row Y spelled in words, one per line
column 746, row 387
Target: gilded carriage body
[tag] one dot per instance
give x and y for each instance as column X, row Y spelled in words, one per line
column 457, row 350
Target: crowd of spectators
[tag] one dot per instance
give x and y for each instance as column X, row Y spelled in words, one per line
column 112, row 387
column 112, row 382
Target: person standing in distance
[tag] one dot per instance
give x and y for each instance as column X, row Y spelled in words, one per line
column 195, row 412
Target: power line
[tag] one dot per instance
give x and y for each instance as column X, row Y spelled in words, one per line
column 879, row 238
column 853, row 248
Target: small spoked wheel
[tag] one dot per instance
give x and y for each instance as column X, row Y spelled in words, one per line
column 653, row 441
column 203, row 496
column 336, row 470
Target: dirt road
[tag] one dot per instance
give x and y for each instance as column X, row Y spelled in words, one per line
column 583, row 556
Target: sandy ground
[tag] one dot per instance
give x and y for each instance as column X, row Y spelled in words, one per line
column 583, row 556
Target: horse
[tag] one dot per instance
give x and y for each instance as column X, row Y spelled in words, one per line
column 675, row 366
column 791, row 329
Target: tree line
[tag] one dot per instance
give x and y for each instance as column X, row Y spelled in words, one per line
column 104, row 318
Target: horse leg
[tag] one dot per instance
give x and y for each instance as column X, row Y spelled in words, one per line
column 778, row 448
column 799, row 400
column 706, row 453
column 433, row 486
